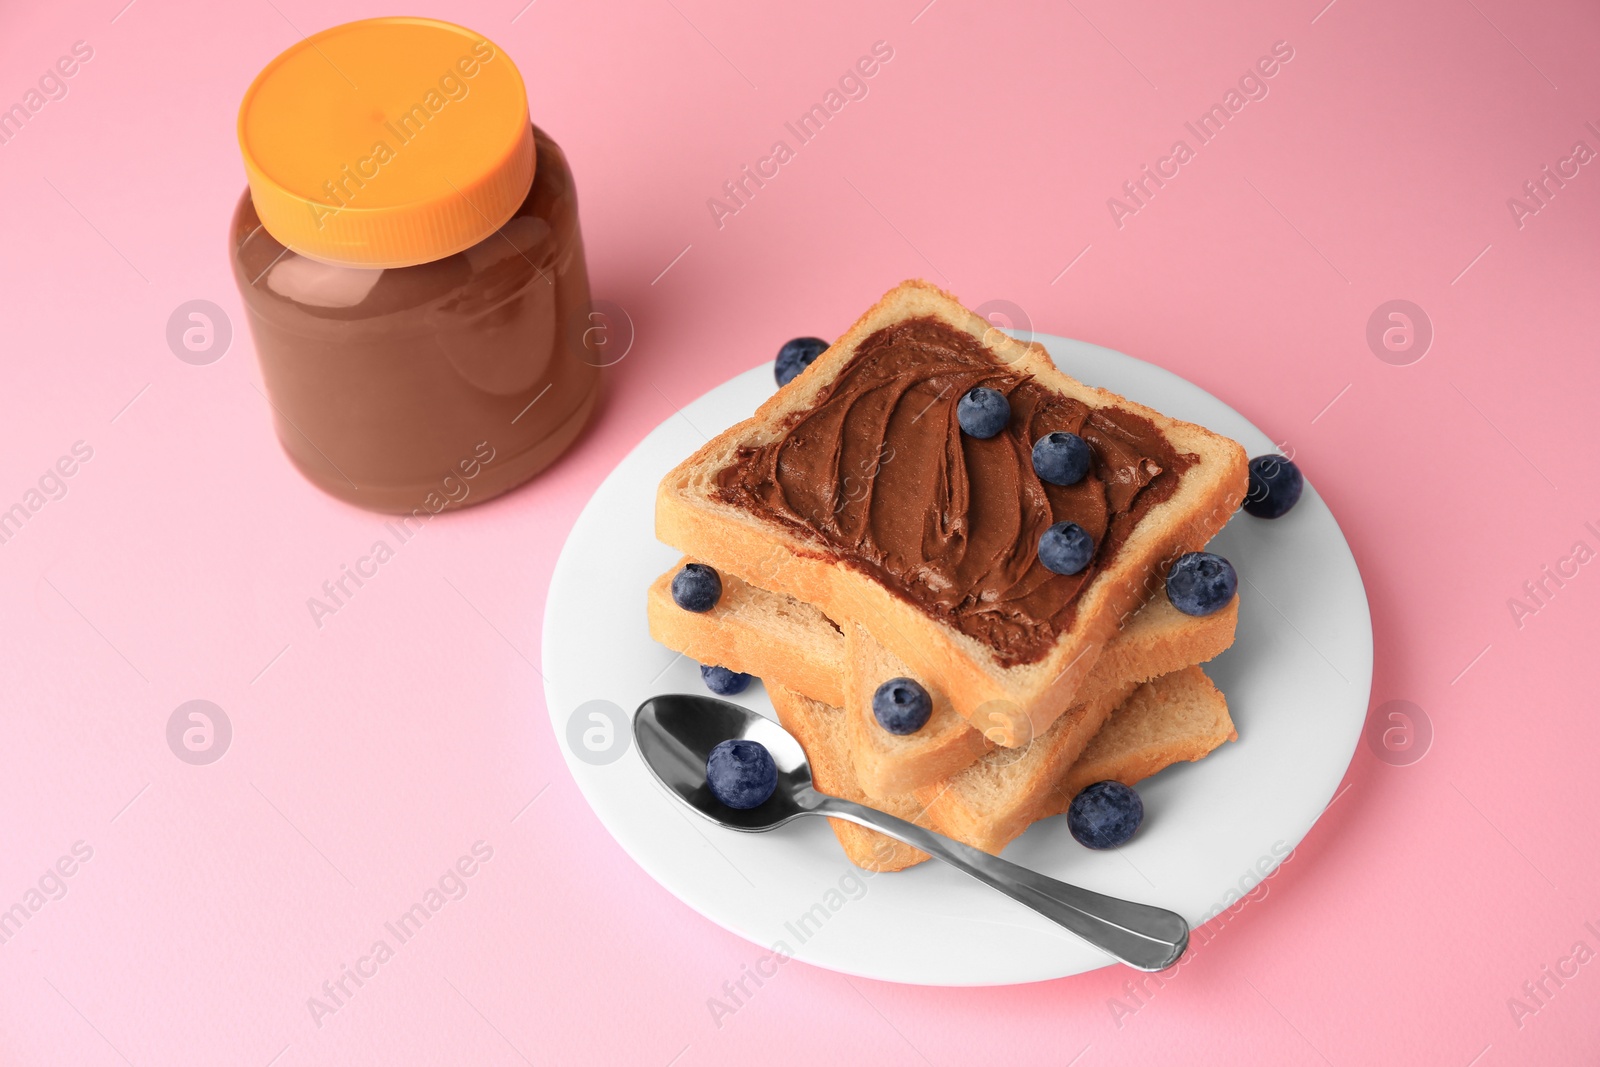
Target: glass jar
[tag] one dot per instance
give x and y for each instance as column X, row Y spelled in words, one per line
column 407, row 368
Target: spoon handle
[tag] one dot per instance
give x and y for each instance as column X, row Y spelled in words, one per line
column 1139, row 935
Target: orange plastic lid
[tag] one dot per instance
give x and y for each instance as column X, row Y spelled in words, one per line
column 387, row 142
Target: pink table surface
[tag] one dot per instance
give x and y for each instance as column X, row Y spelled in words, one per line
column 369, row 754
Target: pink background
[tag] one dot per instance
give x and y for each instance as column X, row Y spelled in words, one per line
column 369, row 755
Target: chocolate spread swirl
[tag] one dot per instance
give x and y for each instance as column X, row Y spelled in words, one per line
column 879, row 473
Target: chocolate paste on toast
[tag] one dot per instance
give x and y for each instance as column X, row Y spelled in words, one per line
column 878, row 472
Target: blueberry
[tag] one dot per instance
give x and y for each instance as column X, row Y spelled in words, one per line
column 901, row 706
column 795, row 356
column 1200, row 583
column 1066, row 548
column 983, row 412
column 1105, row 815
column 696, row 587
column 1275, row 485
column 1061, row 458
column 741, row 773
column 722, row 681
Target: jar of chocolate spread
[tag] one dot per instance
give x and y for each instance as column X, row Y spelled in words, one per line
column 409, row 257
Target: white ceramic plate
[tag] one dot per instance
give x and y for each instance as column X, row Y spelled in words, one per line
column 1296, row 679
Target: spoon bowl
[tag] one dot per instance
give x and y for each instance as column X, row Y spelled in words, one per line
column 676, row 734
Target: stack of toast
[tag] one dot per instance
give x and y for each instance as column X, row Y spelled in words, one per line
column 859, row 535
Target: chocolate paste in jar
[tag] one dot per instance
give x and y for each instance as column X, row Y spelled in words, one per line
column 388, row 385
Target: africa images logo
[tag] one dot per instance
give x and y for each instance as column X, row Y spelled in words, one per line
column 453, row 86
column 852, row 85
column 1251, row 86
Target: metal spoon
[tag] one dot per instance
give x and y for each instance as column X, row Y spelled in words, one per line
column 676, row 734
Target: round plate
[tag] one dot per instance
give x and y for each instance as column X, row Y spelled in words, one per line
column 1296, row 679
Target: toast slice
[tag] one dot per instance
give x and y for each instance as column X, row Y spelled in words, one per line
column 793, row 645
column 820, row 729
column 1157, row 640
column 1170, row 724
column 954, row 589
column 777, row 638
column 1179, row 716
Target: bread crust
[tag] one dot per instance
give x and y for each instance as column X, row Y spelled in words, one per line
column 1023, row 700
column 819, row 729
column 1131, row 747
column 1125, row 730
column 790, row 644
column 1157, row 640
column 778, row 639
column 1179, row 716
